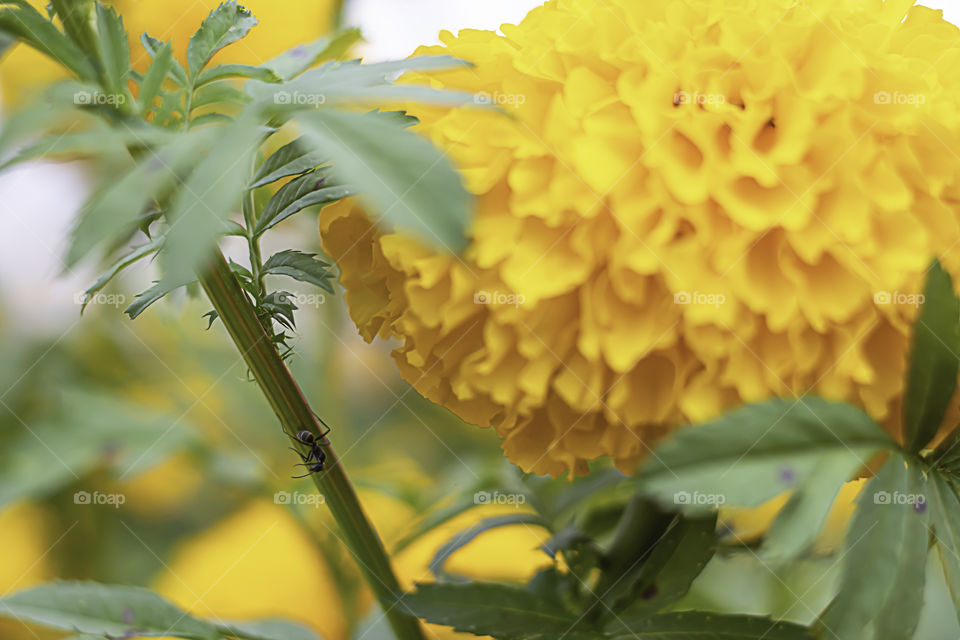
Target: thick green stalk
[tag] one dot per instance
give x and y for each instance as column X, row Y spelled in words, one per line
column 291, row 407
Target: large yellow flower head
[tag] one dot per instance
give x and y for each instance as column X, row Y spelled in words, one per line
column 695, row 203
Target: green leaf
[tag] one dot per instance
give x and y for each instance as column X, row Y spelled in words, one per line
column 225, row 25
column 114, row 610
column 900, row 614
column 295, row 196
column 701, row 625
column 932, row 376
column 398, row 175
column 757, row 452
column 154, row 47
column 796, row 526
column 130, row 258
column 156, row 74
column 219, row 93
column 666, row 573
column 501, row 611
column 114, row 50
column 465, row 537
column 18, row 19
column 97, row 142
column 78, row 18
column 198, row 211
column 116, row 207
column 281, row 307
column 352, row 82
column 146, row 298
column 292, row 63
column 300, row 266
column 944, row 511
column 268, row 630
column 223, row 71
column 291, row 159
column 874, row 557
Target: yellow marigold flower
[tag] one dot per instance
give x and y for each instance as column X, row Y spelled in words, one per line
column 25, row 539
column 695, row 204
column 282, row 26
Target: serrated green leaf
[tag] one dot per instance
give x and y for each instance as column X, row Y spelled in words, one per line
column 944, row 508
column 198, row 211
column 401, row 177
column 501, row 611
column 21, row 21
column 156, row 74
column 700, row 625
column 796, row 526
column 298, row 194
column 295, row 61
column 154, row 47
column 117, row 206
column 225, row 25
column 665, row 574
column 757, row 452
column 934, row 360
column 873, row 555
column 268, row 630
column 300, row 266
column 291, row 159
column 114, row 50
column 224, row 71
column 135, row 254
column 146, row 298
column 118, row 611
column 98, row 142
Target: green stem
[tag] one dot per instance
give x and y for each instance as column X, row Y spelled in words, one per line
column 290, row 406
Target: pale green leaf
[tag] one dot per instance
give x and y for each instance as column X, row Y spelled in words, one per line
column 400, row 177
column 225, row 25
column 114, row 610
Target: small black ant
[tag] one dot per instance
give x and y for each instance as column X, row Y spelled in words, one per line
column 315, row 459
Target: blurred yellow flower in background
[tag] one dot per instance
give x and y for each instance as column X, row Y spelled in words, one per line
column 695, row 204
column 748, row 524
column 257, row 563
column 282, row 26
column 26, row 542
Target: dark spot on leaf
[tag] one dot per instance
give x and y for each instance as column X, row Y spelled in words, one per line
column 920, row 507
column 650, row 592
column 128, row 615
column 786, row 475
column 298, row 52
